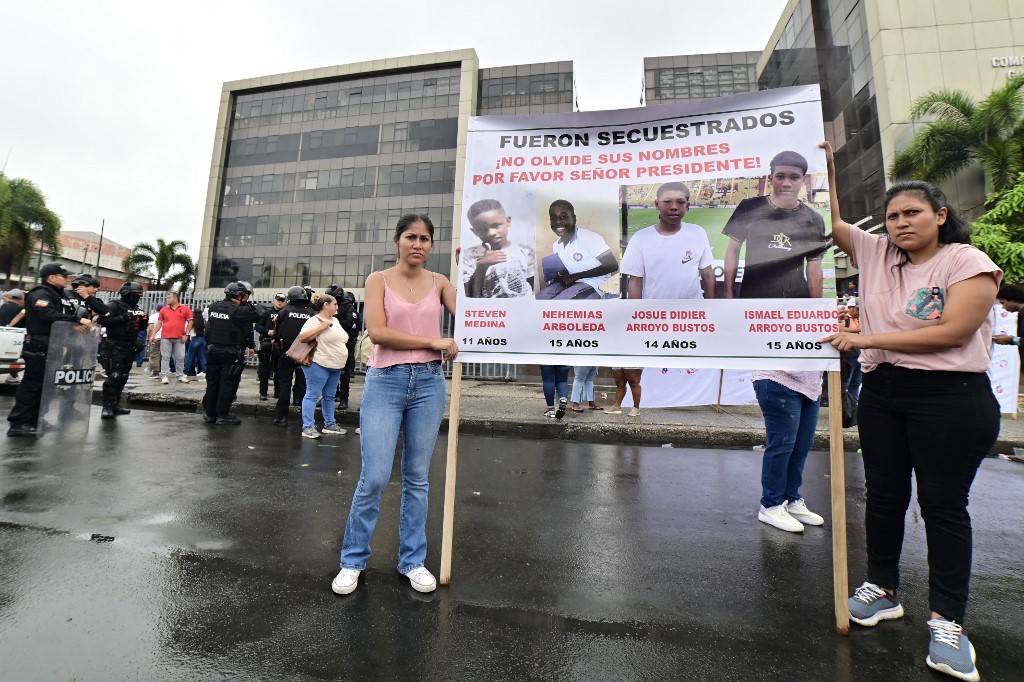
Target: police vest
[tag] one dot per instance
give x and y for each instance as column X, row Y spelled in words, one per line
column 220, row 329
column 125, row 329
column 290, row 321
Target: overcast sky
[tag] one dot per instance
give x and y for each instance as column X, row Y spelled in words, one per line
column 110, row 106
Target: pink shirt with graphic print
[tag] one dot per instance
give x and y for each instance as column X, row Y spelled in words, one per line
column 899, row 299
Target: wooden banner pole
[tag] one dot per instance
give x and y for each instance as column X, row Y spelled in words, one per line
column 840, row 579
column 451, row 464
column 721, row 380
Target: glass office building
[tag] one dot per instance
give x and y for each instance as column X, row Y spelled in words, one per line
column 698, row 76
column 312, row 170
column 827, row 42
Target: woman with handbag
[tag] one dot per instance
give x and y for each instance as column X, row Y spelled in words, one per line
column 322, row 375
column 404, row 390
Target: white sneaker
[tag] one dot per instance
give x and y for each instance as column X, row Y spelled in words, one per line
column 421, row 580
column 799, row 511
column 201, row 375
column 550, row 414
column 183, row 380
column 778, row 516
column 635, row 412
column 358, row 431
column 346, row 581
column 164, row 380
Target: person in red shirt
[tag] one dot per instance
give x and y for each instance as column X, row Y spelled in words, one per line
column 175, row 322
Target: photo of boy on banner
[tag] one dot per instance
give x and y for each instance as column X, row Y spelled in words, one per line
column 581, row 260
column 497, row 267
column 785, row 238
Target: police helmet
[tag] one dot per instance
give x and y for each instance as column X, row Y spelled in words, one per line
column 296, row 294
column 245, row 285
column 235, row 290
column 309, row 291
column 334, row 290
column 129, row 288
column 84, row 280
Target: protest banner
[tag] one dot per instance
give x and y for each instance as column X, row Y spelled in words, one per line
column 528, row 294
column 684, row 236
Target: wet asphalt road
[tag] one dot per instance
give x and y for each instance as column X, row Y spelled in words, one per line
column 572, row 561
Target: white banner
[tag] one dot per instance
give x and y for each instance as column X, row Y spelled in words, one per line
column 557, row 209
column 1004, row 372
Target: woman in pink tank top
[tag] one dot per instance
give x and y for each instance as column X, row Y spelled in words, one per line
column 926, row 404
column 404, row 391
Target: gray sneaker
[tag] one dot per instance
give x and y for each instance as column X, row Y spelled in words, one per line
column 333, row 429
column 310, row 432
column 871, row 604
column 950, row 651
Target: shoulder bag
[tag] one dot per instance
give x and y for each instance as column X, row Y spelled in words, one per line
column 302, row 352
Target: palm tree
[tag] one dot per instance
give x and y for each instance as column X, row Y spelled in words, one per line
column 160, row 258
column 24, row 221
column 965, row 132
column 184, row 277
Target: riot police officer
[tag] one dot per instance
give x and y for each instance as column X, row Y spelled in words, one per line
column 83, row 292
column 268, row 350
column 45, row 304
column 348, row 317
column 123, row 323
column 228, row 334
column 289, row 323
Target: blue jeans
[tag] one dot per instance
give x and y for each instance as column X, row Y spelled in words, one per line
column 583, row 384
column 195, row 356
column 790, row 419
column 409, row 397
column 320, row 381
column 555, row 378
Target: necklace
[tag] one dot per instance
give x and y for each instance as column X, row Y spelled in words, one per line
column 773, row 205
column 412, row 290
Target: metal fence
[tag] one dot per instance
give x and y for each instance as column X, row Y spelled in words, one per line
column 198, row 300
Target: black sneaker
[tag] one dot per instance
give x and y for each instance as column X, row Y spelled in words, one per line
column 343, row 405
column 21, row 431
column 120, row 411
column 230, row 420
column 280, row 421
column 209, row 420
column 560, row 412
column 107, row 412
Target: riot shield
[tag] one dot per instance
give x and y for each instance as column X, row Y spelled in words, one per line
column 67, row 383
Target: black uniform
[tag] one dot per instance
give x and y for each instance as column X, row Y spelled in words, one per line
column 123, row 321
column 44, row 305
column 348, row 316
column 228, row 334
column 289, row 323
column 268, row 350
column 93, row 304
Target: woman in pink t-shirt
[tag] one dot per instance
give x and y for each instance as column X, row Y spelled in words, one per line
column 405, row 391
column 926, row 405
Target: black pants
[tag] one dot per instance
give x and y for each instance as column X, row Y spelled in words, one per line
column 267, row 368
column 116, row 358
column 348, row 372
column 222, row 379
column 938, row 425
column 287, row 370
column 30, row 390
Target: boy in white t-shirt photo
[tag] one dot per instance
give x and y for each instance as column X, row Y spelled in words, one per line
column 581, row 260
column 497, row 267
column 670, row 259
